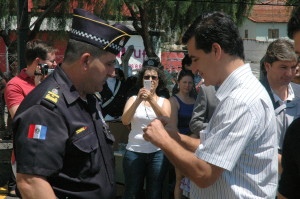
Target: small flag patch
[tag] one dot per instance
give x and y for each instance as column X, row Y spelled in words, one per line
column 37, row 131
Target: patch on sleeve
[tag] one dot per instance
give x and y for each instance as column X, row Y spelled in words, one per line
column 52, row 95
column 81, row 129
column 37, row 131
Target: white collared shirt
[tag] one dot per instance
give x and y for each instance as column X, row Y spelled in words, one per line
column 290, row 97
column 241, row 139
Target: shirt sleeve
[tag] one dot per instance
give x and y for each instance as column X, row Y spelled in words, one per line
column 40, row 137
column 13, row 95
column 289, row 182
column 227, row 135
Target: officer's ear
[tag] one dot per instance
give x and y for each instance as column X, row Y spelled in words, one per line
column 85, row 60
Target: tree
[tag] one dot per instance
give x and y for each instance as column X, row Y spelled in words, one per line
column 168, row 18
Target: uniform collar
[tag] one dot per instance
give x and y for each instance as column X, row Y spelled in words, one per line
column 233, row 81
column 68, row 90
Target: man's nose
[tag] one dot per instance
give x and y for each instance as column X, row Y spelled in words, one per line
column 290, row 72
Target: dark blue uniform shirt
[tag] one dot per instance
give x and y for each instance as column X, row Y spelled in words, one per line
column 62, row 137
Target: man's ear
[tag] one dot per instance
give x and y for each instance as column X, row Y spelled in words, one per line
column 216, row 50
column 267, row 66
column 84, row 60
column 36, row 61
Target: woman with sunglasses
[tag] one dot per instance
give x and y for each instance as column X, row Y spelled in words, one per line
column 143, row 160
column 182, row 104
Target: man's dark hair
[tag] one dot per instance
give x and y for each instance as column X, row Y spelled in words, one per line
column 37, row 49
column 294, row 23
column 76, row 48
column 216, row 27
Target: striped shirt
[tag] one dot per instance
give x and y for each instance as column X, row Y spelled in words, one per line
column 241, row 139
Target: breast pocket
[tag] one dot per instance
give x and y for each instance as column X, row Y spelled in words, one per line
column 83, row 156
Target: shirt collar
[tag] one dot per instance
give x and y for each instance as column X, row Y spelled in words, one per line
column 291, row 95
column 24, row 75
column 233, row 80
column 71, row 93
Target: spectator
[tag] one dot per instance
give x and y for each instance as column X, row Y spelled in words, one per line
column 63, row 147
column 36, row 52
column 204, row 108
column 186, row 65
column 237, row 155
column 296, row 79
column 289, row 182
column 142, row 160
column 280, row 63
column 114, row 95
column 162, row 91
column 182, row 104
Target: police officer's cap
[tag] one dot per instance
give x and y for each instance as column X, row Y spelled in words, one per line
column 91, row 29
column 151, row 62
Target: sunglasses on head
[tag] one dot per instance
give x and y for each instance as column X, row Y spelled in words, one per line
column 152, row 77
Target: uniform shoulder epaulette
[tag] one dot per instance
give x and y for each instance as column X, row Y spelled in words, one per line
column 50, row 98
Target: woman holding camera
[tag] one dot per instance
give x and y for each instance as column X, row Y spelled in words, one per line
column 143, row 160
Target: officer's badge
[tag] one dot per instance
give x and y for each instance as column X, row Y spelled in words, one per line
column 52, row 95
column 81, row 129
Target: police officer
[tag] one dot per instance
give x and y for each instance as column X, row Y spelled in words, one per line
column 62, row 145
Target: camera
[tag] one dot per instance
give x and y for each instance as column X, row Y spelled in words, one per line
column 44, row 70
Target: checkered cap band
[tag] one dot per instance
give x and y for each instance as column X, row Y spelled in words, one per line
column 95, row 38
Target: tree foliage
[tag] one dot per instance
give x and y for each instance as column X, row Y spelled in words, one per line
column 166, row 18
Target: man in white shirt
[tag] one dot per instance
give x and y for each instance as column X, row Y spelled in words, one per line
column 289, row 182
column 237, row 154
column 280, row 63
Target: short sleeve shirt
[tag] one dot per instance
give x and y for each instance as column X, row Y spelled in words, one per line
column 241, row 139
column 18, row 88
column 61, row 137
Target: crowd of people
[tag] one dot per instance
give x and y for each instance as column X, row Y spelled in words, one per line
column 221, row 134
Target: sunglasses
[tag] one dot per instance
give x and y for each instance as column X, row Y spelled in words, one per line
column 152, row 76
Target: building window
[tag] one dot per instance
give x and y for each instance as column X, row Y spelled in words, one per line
column 246, row 34
column 273, row 33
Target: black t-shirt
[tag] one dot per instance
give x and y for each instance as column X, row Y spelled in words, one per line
column 61, row 137
column 289, row 184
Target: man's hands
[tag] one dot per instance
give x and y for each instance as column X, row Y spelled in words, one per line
column 159, row 131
